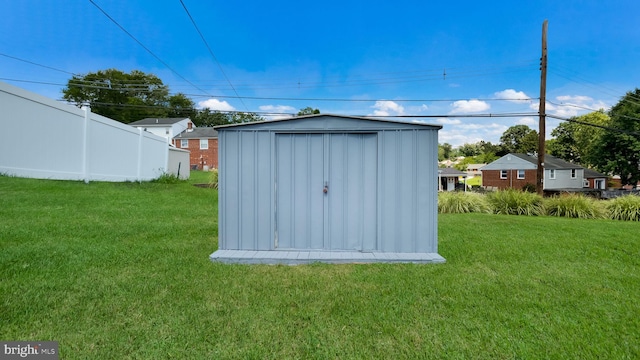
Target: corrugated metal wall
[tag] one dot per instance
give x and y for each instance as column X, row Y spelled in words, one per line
column 381, row 187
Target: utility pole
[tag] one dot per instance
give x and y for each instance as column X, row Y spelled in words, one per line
column 541, row 111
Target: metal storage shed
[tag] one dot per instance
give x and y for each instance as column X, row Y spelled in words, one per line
column 328, row 188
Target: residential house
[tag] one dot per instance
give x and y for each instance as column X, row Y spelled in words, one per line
column 595, row 180
column 448, row 179
column 165, row 127
column 518, row 170
column 474, row 170
column 202, row 142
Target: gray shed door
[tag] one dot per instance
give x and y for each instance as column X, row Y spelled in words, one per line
column 342, row 218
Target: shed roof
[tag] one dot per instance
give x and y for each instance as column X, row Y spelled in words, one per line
column 157, row 121
column 451, row 172
column 311, row 119
column 198, row 133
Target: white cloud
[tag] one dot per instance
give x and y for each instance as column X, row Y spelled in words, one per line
column 458, row 134
column 565, row 111
column 215, row 104
column 527, row 120
column 512, row 95
column 418, row 109
column 277, row 108
column 279, row 111
column 387, row 108
column 577, row 99
column 449, row 121
column 572, row 105
column 469, row 106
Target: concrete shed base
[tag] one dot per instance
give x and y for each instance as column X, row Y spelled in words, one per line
column 332, row 257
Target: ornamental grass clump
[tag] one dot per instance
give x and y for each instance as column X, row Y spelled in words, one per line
column 213, row 178
column 456, row 202
column 515, row 202
column 624, row 208
column 574, row 206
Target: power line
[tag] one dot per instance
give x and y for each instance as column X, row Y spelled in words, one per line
column 211, row 52
column 596, row 110
column 146, row 89
column 144, row 47
column 430, row 74
column 483, row 115
column 595, row 125
column 36, row 64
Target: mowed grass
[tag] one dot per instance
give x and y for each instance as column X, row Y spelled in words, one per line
column 121, row 271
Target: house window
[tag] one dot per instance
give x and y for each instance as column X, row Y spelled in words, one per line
column 503, row 174
column 552, row 174
column 573, row 173
column 184, row 143
column 204, row 144
column 520, row 174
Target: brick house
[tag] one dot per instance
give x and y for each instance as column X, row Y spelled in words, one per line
column 203, row 145
column 517, row 170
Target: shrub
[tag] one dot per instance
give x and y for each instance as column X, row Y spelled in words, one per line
column 167, row 178
column 574, row 206
column 213, row 178
column 514, row 202
column 457, row 202
column 529, row 187
column 624, row 208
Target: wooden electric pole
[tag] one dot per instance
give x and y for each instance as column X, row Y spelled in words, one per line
column 541, row 111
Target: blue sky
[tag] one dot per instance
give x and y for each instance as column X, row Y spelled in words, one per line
column 368, row 57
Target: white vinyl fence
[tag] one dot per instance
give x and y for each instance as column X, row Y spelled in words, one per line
column 42, row 138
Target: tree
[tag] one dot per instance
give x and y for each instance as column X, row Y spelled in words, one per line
column 207, row 117
column 308, row 111
column 125, row 97
column 444, row 151
column 470, row 149
column 618, row 152
column 245, row 117
column 181, row 106
column 519, row 139
column 574, row 140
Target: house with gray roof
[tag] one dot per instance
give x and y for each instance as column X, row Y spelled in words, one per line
column 202, row 143
column 449, row 179
column 519, row 170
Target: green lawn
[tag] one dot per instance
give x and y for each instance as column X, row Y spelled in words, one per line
column 118, row 271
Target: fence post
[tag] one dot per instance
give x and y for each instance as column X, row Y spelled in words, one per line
column 166, row 162
column 139, row 172
column 85, row 143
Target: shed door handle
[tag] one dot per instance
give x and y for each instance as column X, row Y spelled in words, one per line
column 326, row 188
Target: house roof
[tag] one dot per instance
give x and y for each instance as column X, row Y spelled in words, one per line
column 198, row 133
column 302, row 118
column 149, row 122
column 451, row 172
column 590, row 174
column 550, row 162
